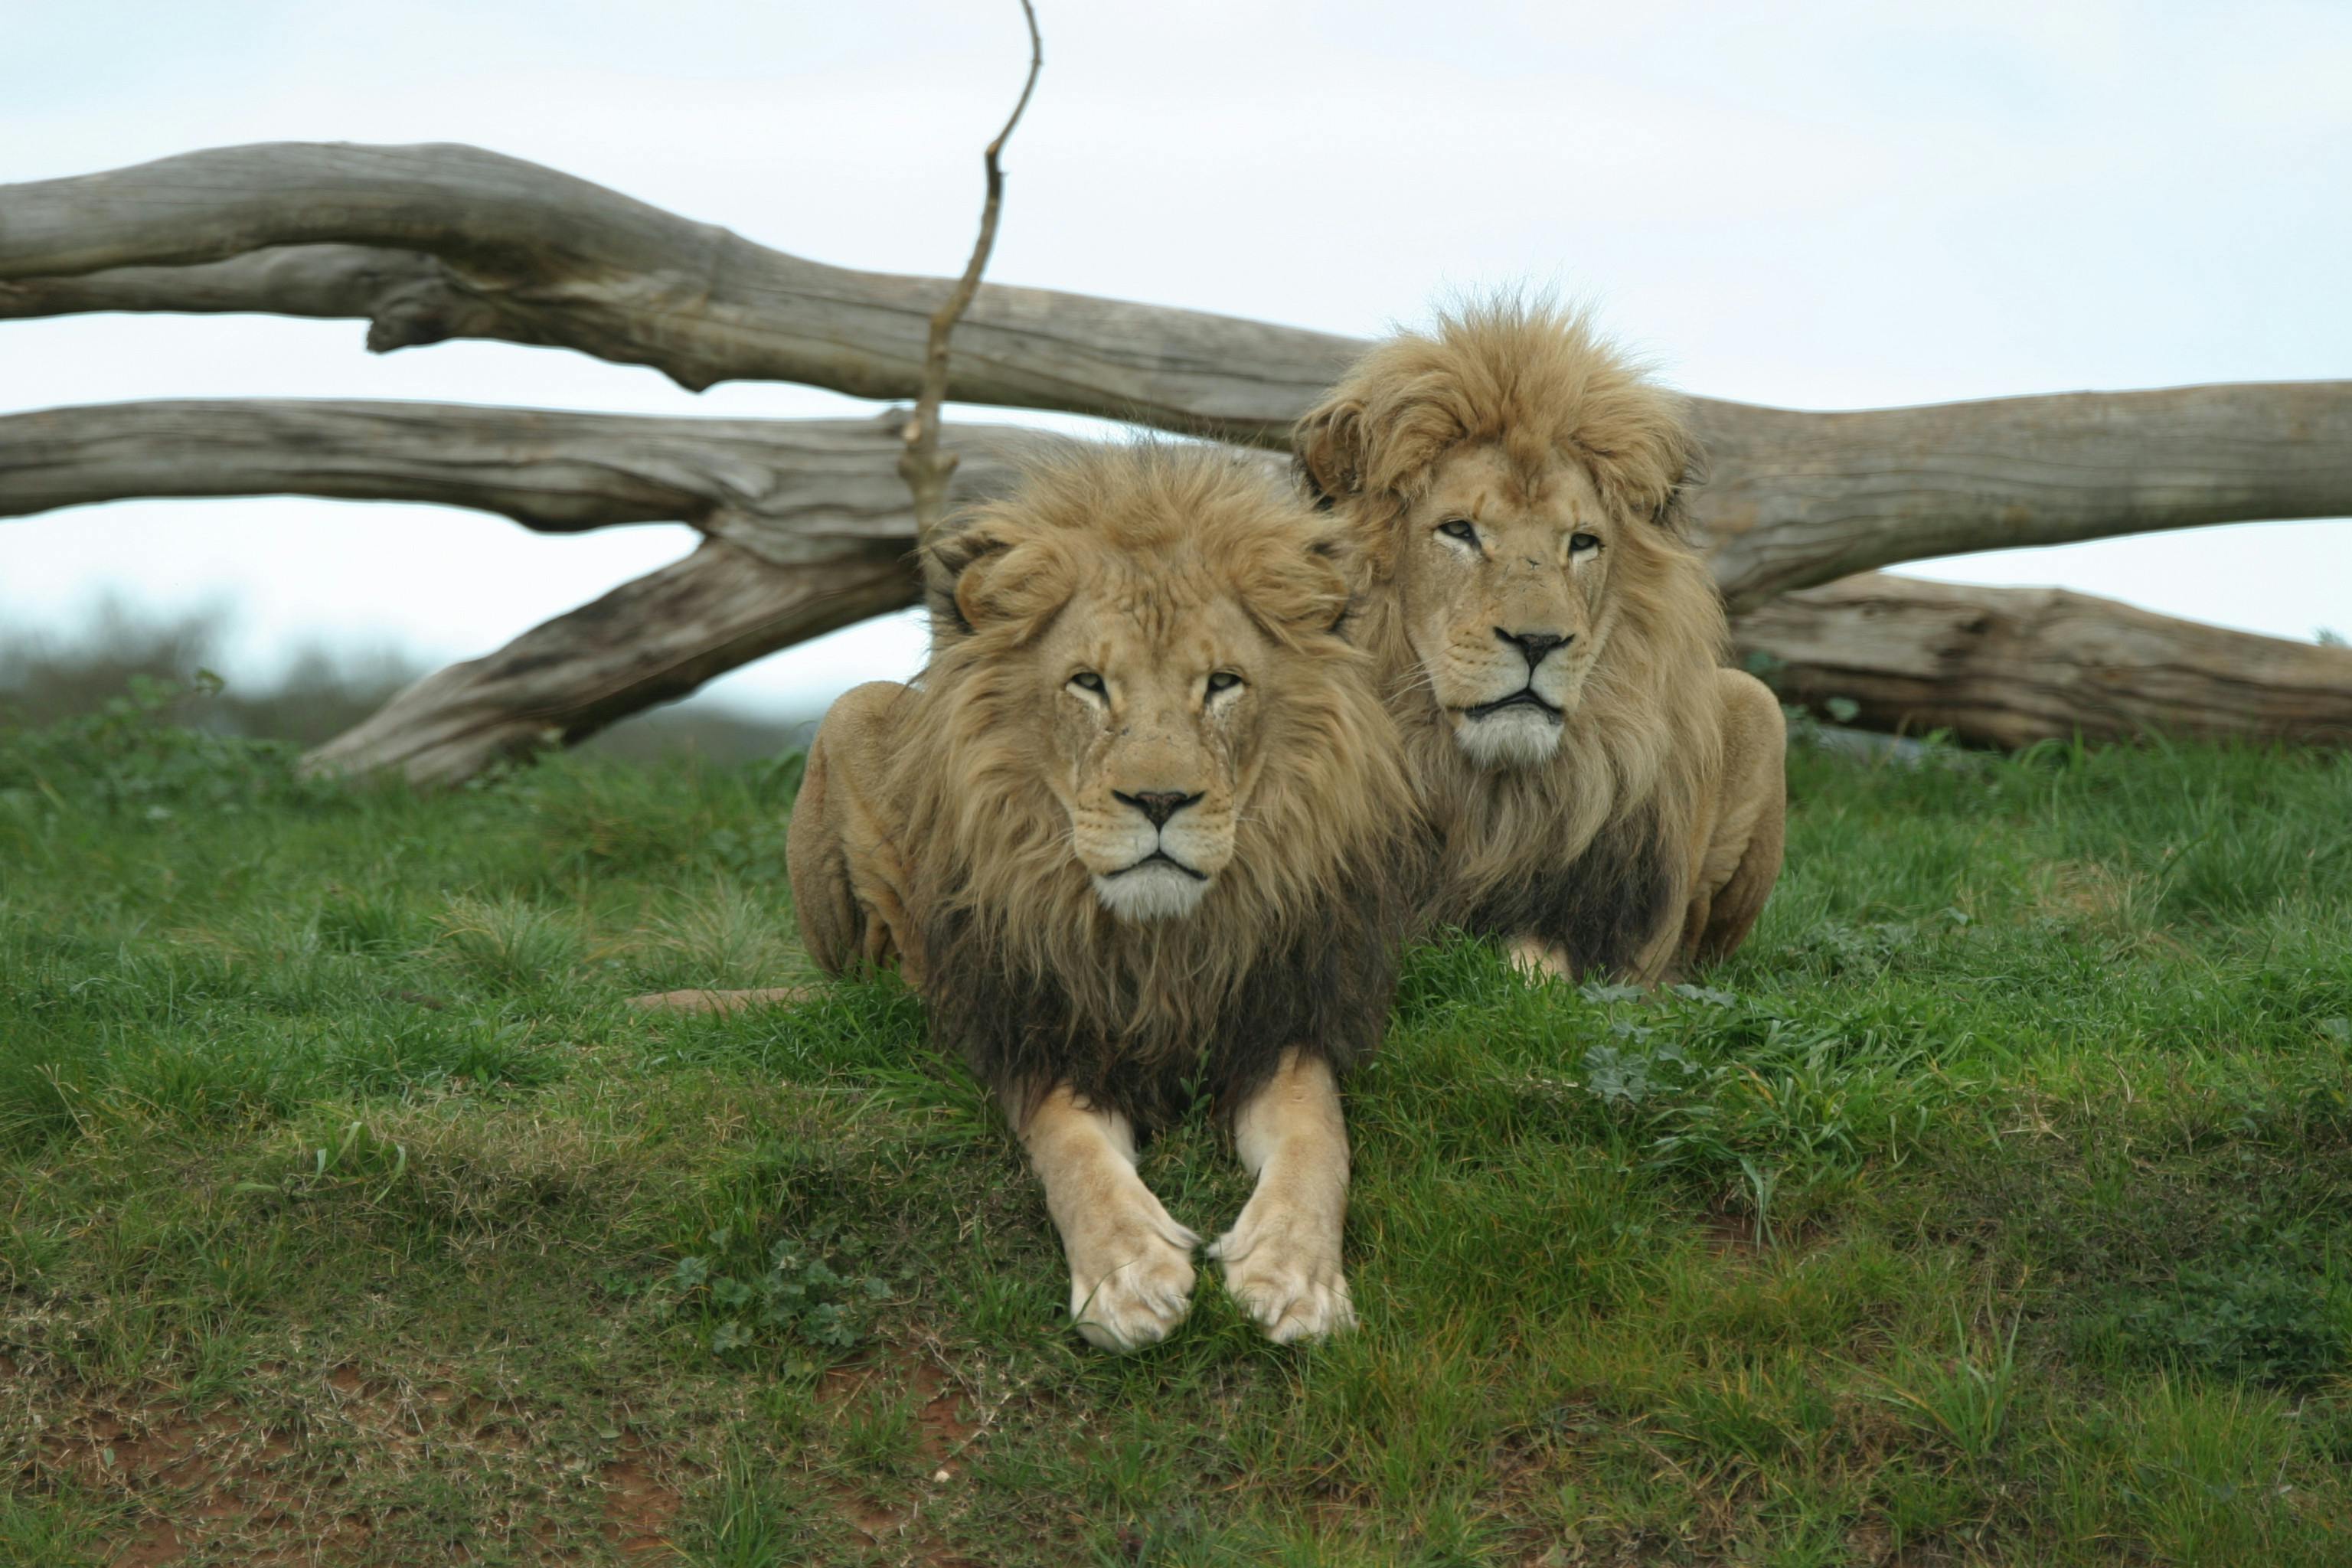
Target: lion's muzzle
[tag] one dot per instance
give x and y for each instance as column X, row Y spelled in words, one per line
column 1522, row 727
column 1170, row 853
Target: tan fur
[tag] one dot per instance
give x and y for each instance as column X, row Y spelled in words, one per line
column 1651, row 765
column 1282, row 1257
column 1130, row 1262
column 974, row 830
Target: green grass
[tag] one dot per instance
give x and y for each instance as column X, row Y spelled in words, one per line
column 1993, row 1206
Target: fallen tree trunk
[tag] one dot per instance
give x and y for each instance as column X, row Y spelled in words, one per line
column 1800, row 498
column 1999, row 666
column 2007, row 666
column 436, row 242
column 797, row 490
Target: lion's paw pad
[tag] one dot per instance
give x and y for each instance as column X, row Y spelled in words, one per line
column 1294, row 1295
column 1139, row 1301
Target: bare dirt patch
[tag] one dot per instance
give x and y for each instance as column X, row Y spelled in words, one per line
column 944, row 1424
column 640, row 1507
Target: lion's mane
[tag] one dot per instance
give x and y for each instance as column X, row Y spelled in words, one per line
column 1580, row 850
column 1025, row 972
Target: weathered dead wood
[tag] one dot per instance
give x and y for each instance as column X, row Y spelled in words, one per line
column 785, row 490
column 436, row 242
column 703, row 1001
column 2007, row 666
column 430, row 243
column 651, row 640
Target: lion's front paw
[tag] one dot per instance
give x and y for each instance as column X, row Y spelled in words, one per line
column 1132, row 1286
column 1285, row 1272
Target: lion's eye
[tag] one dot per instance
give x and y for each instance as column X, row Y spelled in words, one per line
column 1222, row 680
column 1459, row 528
column 1579, row 543
column 1087, row 681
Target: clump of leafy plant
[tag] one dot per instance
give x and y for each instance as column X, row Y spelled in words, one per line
column 806, row 1295
column 2275, row 1317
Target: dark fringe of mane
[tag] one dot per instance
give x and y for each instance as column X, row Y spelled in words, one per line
column 1324, row 987
column 1602, row 907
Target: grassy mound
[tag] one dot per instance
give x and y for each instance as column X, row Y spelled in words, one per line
column 1995, row 1205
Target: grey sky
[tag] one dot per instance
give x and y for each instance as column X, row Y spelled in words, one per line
column 1821, row 206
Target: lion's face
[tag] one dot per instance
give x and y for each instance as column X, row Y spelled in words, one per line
column 1502, row 573
column 1141, row 660
column 1152, row 747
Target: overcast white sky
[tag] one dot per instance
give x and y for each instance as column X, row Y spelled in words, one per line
column 1820, row 205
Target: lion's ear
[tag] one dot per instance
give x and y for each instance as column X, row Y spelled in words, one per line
column 1673, row 514
column 1327, row 449
column 1350, row 569
column 983, row 575
column 1320, row 599
column 948, row 562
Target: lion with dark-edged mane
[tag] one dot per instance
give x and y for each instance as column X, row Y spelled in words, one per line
column 1606, row 798
column 1136, row 834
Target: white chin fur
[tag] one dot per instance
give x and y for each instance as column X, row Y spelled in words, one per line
column 1514, row 738
column 1150, row 894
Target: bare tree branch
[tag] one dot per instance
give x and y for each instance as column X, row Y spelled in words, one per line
column 785, row 490
column 923, row 466
column 431, row 243
column 816, row 524
column 649, row 641
column 2007, row 666
column 436, row 242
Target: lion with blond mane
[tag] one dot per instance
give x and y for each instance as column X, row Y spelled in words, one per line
column 1606, row 797
column 1135, row 834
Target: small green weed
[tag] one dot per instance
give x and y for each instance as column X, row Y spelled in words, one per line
column 794, row 1297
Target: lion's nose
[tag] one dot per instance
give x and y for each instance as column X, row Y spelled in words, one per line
column 1159, row 804
column 1533, row 646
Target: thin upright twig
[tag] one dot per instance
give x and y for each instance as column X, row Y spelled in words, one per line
column 922, row 465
